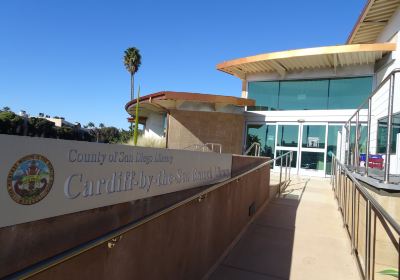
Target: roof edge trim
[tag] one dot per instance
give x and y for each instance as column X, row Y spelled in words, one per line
column 309, row 52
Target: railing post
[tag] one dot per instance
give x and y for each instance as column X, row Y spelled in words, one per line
column 356, row 142
column 353, row 218
column 368, row 136
column 332, row 172
column 348, row 130
column 389, row 130
column 286, row 166
column 280, row 177
column 398, row 261
column 339, row 180
column 340, row 187
column 367, row 239
column 346, row 182
column 290, row 162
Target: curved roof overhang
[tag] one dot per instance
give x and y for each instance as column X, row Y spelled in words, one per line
column 372, row 20
column 167, row 100
column 303, row 59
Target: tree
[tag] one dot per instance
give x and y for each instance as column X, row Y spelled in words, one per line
column 65, row 132
column 101, row 125
column 132, row 62
column 10, row 123
column 109, row 134
column 6, row 109
column 40, row 127
column 93, row 130
column 124, row 136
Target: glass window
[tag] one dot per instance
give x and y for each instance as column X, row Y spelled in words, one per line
column 312, row 160
column 288, row 135
column 265, row 94
column 321, row 94
column 349, row 93
column 332, row 145
column 282, row 152
column 314, row 136
column 264, row 134
column 382, row 134
column 303, row 95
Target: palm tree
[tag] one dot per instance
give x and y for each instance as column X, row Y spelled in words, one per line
column 132, row 62
column 93, row 130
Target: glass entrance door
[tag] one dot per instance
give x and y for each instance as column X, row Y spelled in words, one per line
column 287, row 139
column 308, row 141
column 312, row 149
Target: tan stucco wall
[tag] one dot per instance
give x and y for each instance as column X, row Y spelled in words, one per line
column 186, row 128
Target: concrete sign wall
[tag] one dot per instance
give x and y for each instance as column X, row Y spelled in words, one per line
column 42, row 178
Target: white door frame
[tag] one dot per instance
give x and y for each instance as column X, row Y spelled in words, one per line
column 312, row 172
column 294, row 170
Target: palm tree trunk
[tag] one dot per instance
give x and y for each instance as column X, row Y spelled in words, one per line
column 132, row 86
column 132, row 94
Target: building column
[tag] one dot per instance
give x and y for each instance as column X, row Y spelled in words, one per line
column 244, row 88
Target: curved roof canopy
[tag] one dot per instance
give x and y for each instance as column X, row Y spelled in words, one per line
column 164, row 101
column 311, row 58
column 373, row 19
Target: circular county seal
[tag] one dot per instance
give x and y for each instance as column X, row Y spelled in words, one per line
column 30, row 179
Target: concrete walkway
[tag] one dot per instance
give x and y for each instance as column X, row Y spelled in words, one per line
column 298, row 236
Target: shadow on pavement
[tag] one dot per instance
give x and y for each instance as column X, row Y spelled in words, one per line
column 265, row 249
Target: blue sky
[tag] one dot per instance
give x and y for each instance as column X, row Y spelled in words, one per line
column 65, row 57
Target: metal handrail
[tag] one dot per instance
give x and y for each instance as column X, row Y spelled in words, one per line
column 218, row 145
column 345, row 194
column 117, row 233
column 257, row 149
column 204, row 147
column 197, row 147
column 391, row 78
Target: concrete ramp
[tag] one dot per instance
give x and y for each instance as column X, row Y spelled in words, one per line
column 297, row 236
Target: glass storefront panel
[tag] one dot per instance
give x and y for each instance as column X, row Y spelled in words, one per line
column 312, row 160
column 265, row 94
column 314, row 136
column 362, row 142
column 349, row 93
column 332, row 145
column 288, row 135
column 303, row 95
column 264, row 134
column 282, row 152
column 382, row 134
